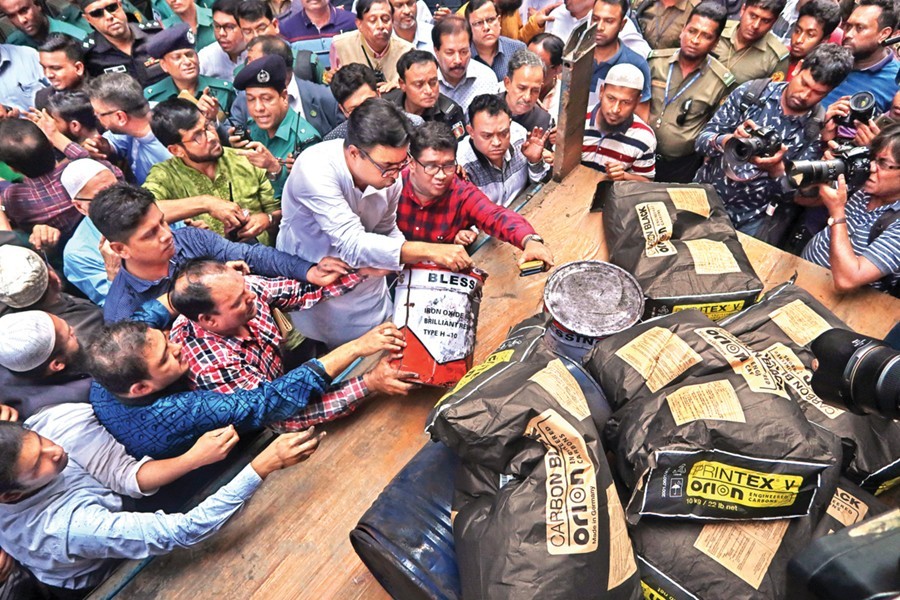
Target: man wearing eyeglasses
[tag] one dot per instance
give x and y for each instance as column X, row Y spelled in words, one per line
column 229, row 52
column 201, row 167
column 438, row 206
column 488, row 46
column 117, row 46
column 861, row 244
column 341, row 200
column 119, row 104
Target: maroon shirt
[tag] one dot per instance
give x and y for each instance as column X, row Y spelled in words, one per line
column 463, row 206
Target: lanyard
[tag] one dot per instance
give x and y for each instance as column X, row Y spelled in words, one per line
column 684, row 86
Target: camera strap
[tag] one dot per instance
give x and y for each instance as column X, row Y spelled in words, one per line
column 883, row 222
column 754, row 96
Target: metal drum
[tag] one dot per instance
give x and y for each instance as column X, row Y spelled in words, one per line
column 438, row 311
column 589, row 300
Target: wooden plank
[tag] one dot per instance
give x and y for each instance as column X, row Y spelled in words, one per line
column 291, row 541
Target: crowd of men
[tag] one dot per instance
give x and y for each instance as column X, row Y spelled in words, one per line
column 204, row 203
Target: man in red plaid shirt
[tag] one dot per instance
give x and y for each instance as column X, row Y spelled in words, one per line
column 231, row 340
column 438, row 206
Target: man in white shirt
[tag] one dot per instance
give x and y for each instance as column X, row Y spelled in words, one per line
column 460, row 78
column 341, row 199
column 407, row 25
column 63, row 494
column 564, row 19
column 221, row 59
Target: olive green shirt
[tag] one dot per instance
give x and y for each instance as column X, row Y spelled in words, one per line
column 236, row 180
column 705, row 93
column 766, row 57
column 220, row 89
column 662, row 24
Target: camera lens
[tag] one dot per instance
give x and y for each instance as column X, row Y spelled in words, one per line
column 810, row 172
column 858, row 372
column 742, row 150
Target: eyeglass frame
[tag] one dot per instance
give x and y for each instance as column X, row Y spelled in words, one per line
column 443, row 168
column 880, row 163
column 384, row 172
column 227, row 28
column 207, row 128
column 109, row 9
column 489, row 21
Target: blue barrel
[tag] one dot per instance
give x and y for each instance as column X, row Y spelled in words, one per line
column 405, row 538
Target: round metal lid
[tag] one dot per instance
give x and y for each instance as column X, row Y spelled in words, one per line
column 593, row 298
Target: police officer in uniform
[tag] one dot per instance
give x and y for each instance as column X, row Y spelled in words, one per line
column 661, row 21
column 749, row 49
column 117, row 46
column 174, row 48
column 277, row 133
column 687, row 85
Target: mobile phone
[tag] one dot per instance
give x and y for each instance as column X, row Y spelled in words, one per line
column 532, row 267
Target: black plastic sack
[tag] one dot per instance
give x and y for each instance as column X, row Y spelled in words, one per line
column 406, row 537
column 536, row 513
column 733, row 560
column 849, row 505
column 679, row 244
column 721, row 446
column 790, row 317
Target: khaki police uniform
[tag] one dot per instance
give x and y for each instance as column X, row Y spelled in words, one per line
column 219, row 89
column 102, row 57
column 705, row 92
column 662, row 25
column 767, row 57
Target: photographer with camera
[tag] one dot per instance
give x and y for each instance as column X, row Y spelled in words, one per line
column 760, row 125
column 861, row 244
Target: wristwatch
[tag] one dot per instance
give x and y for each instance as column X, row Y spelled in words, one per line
column 532, row 237
column 832, row 221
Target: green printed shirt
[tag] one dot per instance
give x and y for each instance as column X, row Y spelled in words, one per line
column 293, row 136
column 236, row 180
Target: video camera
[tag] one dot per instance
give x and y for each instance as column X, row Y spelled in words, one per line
column 858, row 372
column 763, row 141
column 850, row 161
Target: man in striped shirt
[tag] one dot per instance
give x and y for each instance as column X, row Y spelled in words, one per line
column 616, row 141
column 861, row 244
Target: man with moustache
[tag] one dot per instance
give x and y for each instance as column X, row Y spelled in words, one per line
column 753, row 189
column 117, row 46
column 874, row 66
column 174, row 48
column 459, row 77
column 419, row 93
column 610, row 17
column 341, row 199
column 32, row 25
column 373, row 44
column 687, row 85
column 407, row 26
column 617, row 141
column 748, row 48
column 523, row 89
column 488, row 46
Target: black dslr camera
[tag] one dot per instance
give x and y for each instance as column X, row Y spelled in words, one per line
column 763, row 141
column 858, row 372
column 850, row 161
column 862, row 109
